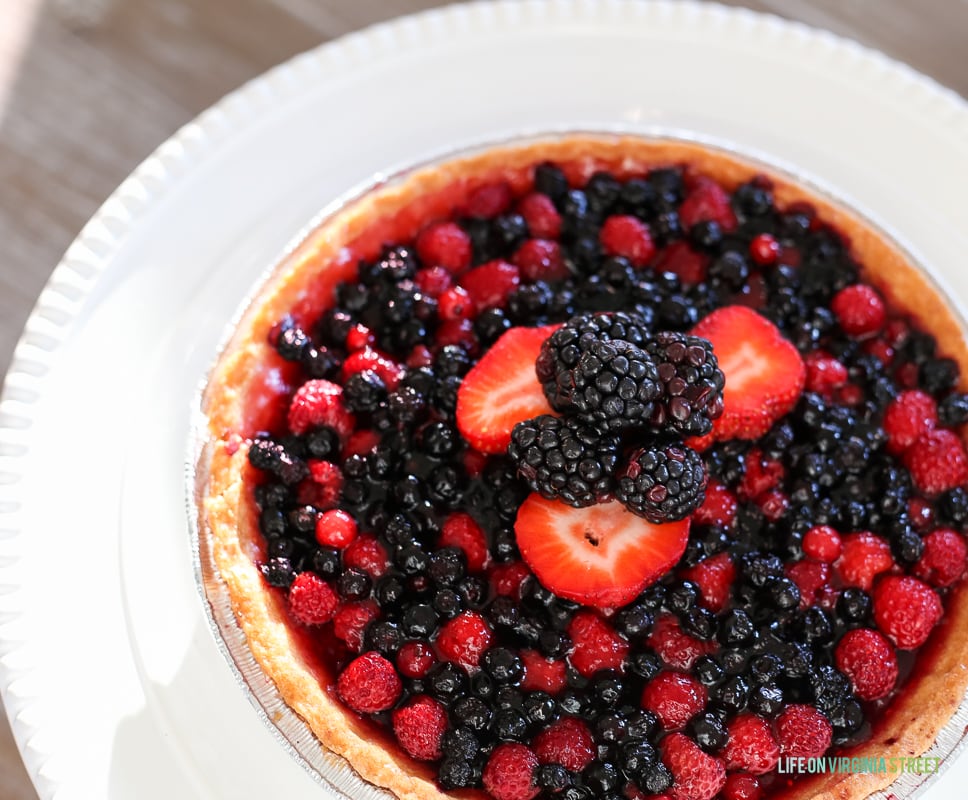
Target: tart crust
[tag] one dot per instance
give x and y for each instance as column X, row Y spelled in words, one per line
column 250, row 382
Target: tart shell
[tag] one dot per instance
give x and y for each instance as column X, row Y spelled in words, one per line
column 250, row 384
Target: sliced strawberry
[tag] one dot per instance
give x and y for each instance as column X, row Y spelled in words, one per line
column 600, row 556
column 502, row 389
column 764, row 372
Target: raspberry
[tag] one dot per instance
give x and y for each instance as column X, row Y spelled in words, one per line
column 445, row 244
column 567, row 742
column 680, row 259
column 824, row 373
column 943, row 560
column 810, row 577
column 317, row 403
column 359, row 337
column 625, row 235
column 822, row 543
column 433, row 281
column 312, row 601
column 714, row 576
column 507, row 578
column 351, row 620
column 674, row 698
column 459, row 332
column 803, row 732
column 937, row 462
column 697, row 775
column 540, row 260
column 360, row 443
column 596, row 645
column 751, row 746
column 707, row 202
column 868, row 659
column 460, row 530
column 719, row 507
column 859, row 309
column 541, row 215
column 415, row 659
column 490, row 284
column 389, row 371
column 764, row 249
column 678, row 649
column 367, row 554
column 323, row 488
column 542, row 674
column 762, row 474
column 455, row 303
column 335, row 528
column 740, row 786
column 419, row 727
column 369, row 684
column 911, row 414
column 509, row 773
column 921, row 512
column 864, row 557
column 464, row 639
column 774, row 504
column 906, row 610
column 489, row 200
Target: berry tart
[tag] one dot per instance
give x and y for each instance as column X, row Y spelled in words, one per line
column 597, row 467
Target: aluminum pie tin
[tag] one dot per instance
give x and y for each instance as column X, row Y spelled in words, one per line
column 332, row 772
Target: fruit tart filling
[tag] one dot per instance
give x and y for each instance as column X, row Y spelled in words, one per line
column 623, row 489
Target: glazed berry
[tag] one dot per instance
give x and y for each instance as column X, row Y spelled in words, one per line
column 803, row 732
column 859, row 310
column 542, row 673
column 696, row 775
column 662, row 484
column 864, row 556
column 937, row 462
column 911, row 414
column 565, row 458
column 764, row 249
column 419, row 727
column 674, row 698
column 707, row 201
column 567, row 742
column 742, row 786
column 335, row 528
column 868, row 660
column 444, row 244
column 490, row 284
column 509, row 773
column 822, row 543
column 312, row 601
column 906, row 610
column 718, row 507
column 596, row 645
column 540, row 260
column 752, row 746
column 369, row 684
column 319, row 403
column 464, row 639
column 351, row 620
column 415, row 659
column 943, row 560
column 627, row 236
column 953, row 410
column 691, row 383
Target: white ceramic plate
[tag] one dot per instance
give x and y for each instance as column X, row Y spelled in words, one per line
column 113, row 682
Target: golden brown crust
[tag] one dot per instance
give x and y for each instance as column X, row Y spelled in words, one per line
column 249, row 371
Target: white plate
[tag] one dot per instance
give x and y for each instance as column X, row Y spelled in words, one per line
column 111, row 677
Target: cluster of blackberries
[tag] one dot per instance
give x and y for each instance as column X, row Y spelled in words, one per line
column 620, row 388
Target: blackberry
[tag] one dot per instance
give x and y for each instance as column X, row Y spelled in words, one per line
column 663, row 483
column 563, row 457
column 692, row 383
column 561, row 351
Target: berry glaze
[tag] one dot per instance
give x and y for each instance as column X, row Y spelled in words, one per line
column 773, row 602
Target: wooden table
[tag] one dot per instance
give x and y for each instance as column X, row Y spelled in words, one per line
column 88, row 88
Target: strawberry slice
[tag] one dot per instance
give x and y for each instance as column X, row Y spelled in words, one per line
column 502, row 390
column 764, row 372
column 602, row 556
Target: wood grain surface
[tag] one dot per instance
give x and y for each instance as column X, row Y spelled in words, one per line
column 88, row 88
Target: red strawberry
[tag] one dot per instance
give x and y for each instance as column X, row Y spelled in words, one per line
column 603, row 555
column 714, row 576
column 502, row 389
column 369, row 684
column 596, row 645
column 312, row 601
column 542, row 674
column 751, row 746
column 943, row 559
column 803, row 732
column 680, row 259
column 351, row 620
column 675, row 647
column 822, row 543
column 937, row 462
column 697, row 775
column 464, row 639
column 460, row 530
column 707, row 201
column 674, row 698
column 335, row 528
column 864, row 557
column 415, row 659
column 868, row 659
column 489, row 200
column 742, row 786
column 419, row 727
column 509, row 773
column 567, row 742
column 625, row 235
column 540, row 260
column 859, row 310
column 367, row 554
column 906, row 610
column 908, row 416
column 316, row 403
column 764, row 372
column 445, row 244
column 719, row 507
column 490, row 284
column 541, row 215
